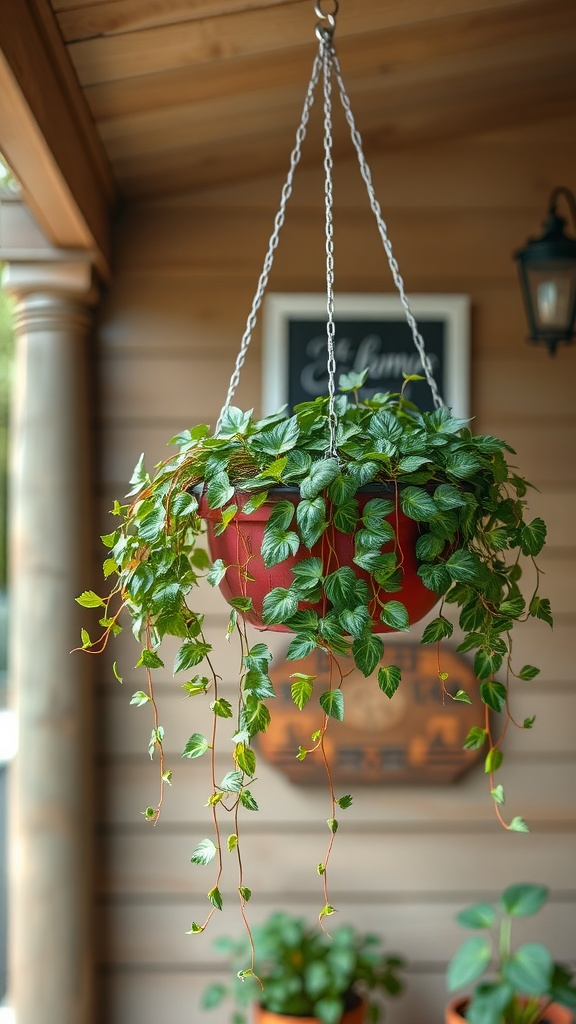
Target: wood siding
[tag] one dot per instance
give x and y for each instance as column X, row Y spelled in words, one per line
column 405, row 859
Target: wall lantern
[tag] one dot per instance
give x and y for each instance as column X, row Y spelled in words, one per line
column 547, row 267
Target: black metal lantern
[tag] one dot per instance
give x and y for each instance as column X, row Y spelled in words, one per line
column 547, row 267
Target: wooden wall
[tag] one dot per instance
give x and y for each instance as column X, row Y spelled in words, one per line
column 406, row 859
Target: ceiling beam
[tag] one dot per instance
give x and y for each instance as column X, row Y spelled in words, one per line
column 47, row 135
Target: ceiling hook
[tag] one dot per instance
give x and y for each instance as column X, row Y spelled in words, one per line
column 324, row 32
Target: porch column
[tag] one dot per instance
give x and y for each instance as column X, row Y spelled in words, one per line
column 50, row 928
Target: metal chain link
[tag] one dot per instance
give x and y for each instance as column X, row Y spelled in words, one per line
column 327, row 62
column 274, row 238
column 375, row 206
column 326, row 51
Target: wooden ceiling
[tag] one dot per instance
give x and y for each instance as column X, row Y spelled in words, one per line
column 186, row 93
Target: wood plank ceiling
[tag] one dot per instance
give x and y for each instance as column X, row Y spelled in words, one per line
column 191, row 92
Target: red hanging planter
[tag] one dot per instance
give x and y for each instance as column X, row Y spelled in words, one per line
column 239, row 547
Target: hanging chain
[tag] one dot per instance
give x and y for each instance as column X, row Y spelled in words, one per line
column 376, row 209
column 327, row 54
column 327, row 62
column 274, row 238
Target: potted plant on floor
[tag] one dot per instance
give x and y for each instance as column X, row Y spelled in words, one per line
column 521, row 985
column 304, row 977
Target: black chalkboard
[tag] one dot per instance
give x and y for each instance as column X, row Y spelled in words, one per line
column 385, row 347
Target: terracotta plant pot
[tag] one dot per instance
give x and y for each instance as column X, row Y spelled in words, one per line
column 356, row 1015
column 555, row 1013
column 247, row 576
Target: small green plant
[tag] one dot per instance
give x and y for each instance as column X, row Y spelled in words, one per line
column 300, row 971
column 523, row 981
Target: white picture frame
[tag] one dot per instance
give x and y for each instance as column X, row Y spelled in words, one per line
column 370, row 330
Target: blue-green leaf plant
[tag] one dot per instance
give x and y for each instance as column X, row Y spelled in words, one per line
column 474, row 543
column 300, row 972
column 507, row 984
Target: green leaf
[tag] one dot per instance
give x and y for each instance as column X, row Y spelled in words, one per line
column 429, row 546
column 307, row 574
column 461, row 695
column 533, row 537
column 529, row 969
column 395, row 615
column 332, row 825
column 469, row 962
column 389, row 678
column 244, row 892
column 465, row 567
column 242, row 604
column 278, row 606
column 493, row 694
column 540, row 609
column 116, row 672
column 475, row 738
column 245, row 758
column 196, row 746
column 149, row 659
column 311, row 519
column 518, row 825
column 219, row 490
column 248, row 801
column 254, row 502
column 462, row 464
column 320, row 476
column 301, row 689
column 436, row 630
column 153, row 524
column 346, row 516
column 139, row 698
column 232, row 782
column 376, row 512
column 435, row 577
column 417, row 504
column 352, row 381
column 528, row 672
column 340, row 586
column 282, row 515
column 278, row 545
column 216, row 573
column 446, row 496
column 355, row 621
column 332, row 703
column 341, row 489
column 485, row 663
column 190, row 654
column 326, row 911
column 215, row 897
column 367, row 651
column 480, row 915
column 524, row 899
column 498, row 794
column 88, row 599
column 199, row 684
column 411, row 463
column 204, row 852
column 302, row 645
column 494, row 759
column 222, row 708
column 280, row 438
column 344, row 801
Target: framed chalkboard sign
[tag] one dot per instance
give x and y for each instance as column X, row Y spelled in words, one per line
column 372, row 333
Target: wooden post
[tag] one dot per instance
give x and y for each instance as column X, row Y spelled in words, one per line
column 50, row 928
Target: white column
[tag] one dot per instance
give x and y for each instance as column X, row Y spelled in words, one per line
column 50, row 928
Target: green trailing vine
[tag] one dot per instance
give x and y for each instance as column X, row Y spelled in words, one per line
column 474, row 543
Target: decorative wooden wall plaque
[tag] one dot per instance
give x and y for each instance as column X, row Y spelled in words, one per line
column 416, row 737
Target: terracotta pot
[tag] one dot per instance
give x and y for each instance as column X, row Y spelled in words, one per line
column 553, row 1014
column 240, row 545
column 356, row 1015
